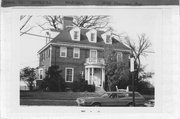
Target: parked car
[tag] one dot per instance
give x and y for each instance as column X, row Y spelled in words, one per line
column 112, row 99
column 149, row 103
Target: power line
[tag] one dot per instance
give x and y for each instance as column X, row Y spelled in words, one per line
column 37, row 35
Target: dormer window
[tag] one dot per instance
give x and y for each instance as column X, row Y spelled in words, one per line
column 75, row 34
column 92, row 35
column 108, row 39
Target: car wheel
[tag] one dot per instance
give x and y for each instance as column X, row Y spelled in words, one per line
column 96, row 104
column 130, row 104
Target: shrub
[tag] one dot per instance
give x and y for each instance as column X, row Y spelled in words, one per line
column 53, row 80
column 79, row 86
column 91, row 88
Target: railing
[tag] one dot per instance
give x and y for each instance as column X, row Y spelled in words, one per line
column 95, row 61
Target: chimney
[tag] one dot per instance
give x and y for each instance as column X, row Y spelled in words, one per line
column 67, row 21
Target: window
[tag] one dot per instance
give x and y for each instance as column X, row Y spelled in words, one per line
column 92, row 37
column 76, row 53
column 108, row 39
column 63, row 52
column 40, row 74
column 69, row 73
column 76, row 35
column 93, row 54
column 121, row 95
column 119, row 57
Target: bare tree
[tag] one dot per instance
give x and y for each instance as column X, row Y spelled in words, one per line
column 138, row 50
column 97, row 22
column 24, row 19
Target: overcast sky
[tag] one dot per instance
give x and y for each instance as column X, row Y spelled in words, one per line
column 131, row 22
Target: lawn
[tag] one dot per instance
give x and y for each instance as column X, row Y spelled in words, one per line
column 56, row 95
column 63, row 95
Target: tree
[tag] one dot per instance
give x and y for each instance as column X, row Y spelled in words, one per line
column 96, row 22
column 53, row 80
column 138, row 50
column 24, row 20
column 28, row 75
column 115, row 71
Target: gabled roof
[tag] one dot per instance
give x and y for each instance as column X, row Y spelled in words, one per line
column 64, row 36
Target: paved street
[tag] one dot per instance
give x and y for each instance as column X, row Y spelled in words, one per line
column 47, row 102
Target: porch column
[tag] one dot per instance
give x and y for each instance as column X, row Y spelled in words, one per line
column 92, row 77
column 88, row 75
column 103, row 78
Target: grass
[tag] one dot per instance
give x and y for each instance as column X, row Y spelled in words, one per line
column 63, row 95
column 56, row 95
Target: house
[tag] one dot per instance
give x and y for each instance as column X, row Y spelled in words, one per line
column 79, row 51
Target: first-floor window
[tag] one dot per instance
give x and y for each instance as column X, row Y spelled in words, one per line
column 69, row 73
column 41, row 74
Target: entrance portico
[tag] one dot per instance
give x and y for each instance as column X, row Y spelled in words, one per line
column 95, row 72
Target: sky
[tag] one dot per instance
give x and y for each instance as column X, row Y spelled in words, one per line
column 132, row 22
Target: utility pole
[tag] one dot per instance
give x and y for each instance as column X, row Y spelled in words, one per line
column 132, row 74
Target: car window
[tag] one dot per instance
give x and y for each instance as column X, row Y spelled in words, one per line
column 121, row 95
column 131, row 94
column 113, row 95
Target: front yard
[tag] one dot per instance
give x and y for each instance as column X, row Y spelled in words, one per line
column 63, row 95
column 56, row 95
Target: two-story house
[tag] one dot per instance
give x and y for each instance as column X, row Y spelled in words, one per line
column 78, row 51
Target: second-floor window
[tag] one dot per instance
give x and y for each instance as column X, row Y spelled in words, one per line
column 93, row 54
column 76, row 53
column 119, row 57
column 63, row 52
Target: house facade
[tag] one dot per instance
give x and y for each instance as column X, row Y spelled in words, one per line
column 80, row 52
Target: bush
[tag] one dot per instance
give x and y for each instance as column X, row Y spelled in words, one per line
column 91, row 88
column 79, row 86
column 53, row 80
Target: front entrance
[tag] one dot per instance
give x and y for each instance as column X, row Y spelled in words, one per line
column 95, row 76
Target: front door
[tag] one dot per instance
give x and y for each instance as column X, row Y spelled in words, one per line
column 97, row 77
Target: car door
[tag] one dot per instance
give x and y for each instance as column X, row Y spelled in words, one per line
column 122, row 99
column 112, row 100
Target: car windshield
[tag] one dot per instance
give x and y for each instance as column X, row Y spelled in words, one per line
column 105, row 95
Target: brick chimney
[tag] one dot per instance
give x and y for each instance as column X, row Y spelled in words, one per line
column 67, row 21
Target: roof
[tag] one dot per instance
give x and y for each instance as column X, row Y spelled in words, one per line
column 64, row 36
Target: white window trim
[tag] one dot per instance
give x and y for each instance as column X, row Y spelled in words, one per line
column 40, row 74
column 91, row 54
column 88, row 34
column 120, row 53
column 65, row 51
column 66, row 74
column 76, row 29
column 74, row 51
